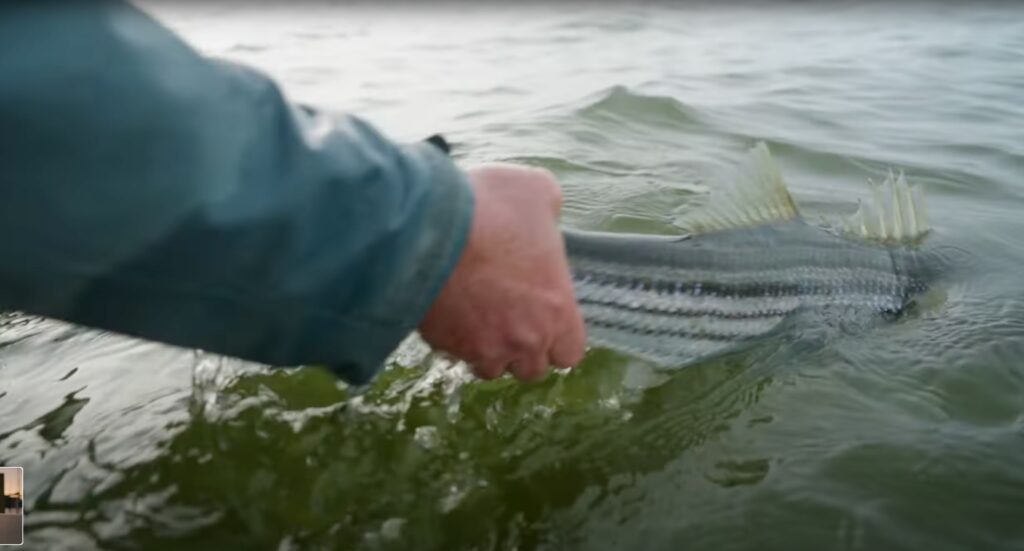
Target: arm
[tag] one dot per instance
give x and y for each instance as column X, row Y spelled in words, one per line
column 149, row 191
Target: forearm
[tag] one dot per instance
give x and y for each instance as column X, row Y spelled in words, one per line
column 149, row 191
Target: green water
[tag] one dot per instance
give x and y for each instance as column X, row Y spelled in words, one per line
column 909, row 435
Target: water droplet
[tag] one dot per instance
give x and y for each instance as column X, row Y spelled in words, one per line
column 427, row 436
column 391, row 529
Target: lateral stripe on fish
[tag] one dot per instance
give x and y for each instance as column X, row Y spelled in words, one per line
column 743, row 269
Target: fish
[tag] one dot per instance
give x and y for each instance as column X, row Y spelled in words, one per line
column 746, row 265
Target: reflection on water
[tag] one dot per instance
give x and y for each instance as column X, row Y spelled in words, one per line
column 901, row 435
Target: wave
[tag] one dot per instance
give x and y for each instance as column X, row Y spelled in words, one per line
column 623, row 104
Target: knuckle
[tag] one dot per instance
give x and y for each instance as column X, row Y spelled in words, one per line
column 526, row 339
column 560, row 304
column 490, row 356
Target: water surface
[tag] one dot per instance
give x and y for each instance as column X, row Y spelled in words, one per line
column 907, row 436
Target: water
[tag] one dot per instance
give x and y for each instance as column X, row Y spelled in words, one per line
column 906, row 436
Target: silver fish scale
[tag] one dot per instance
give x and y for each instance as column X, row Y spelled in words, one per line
column 674, row 301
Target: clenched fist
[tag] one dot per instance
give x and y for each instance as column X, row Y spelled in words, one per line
column 509, row 305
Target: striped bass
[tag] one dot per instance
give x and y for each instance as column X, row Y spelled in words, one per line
column 746, row 264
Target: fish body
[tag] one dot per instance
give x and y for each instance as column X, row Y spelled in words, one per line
column 744, row 271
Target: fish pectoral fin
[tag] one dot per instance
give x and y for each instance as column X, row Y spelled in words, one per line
column 755, row 195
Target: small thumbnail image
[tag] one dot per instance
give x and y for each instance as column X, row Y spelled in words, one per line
column 12, row 509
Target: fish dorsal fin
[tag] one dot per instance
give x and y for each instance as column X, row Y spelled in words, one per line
column 756, row 195
column 896, row 214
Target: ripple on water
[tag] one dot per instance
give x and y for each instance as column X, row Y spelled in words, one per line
column 906, row 436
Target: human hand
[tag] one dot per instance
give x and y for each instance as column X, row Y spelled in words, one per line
column 509, row 303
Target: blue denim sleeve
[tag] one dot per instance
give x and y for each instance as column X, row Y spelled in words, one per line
column 147, row 190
